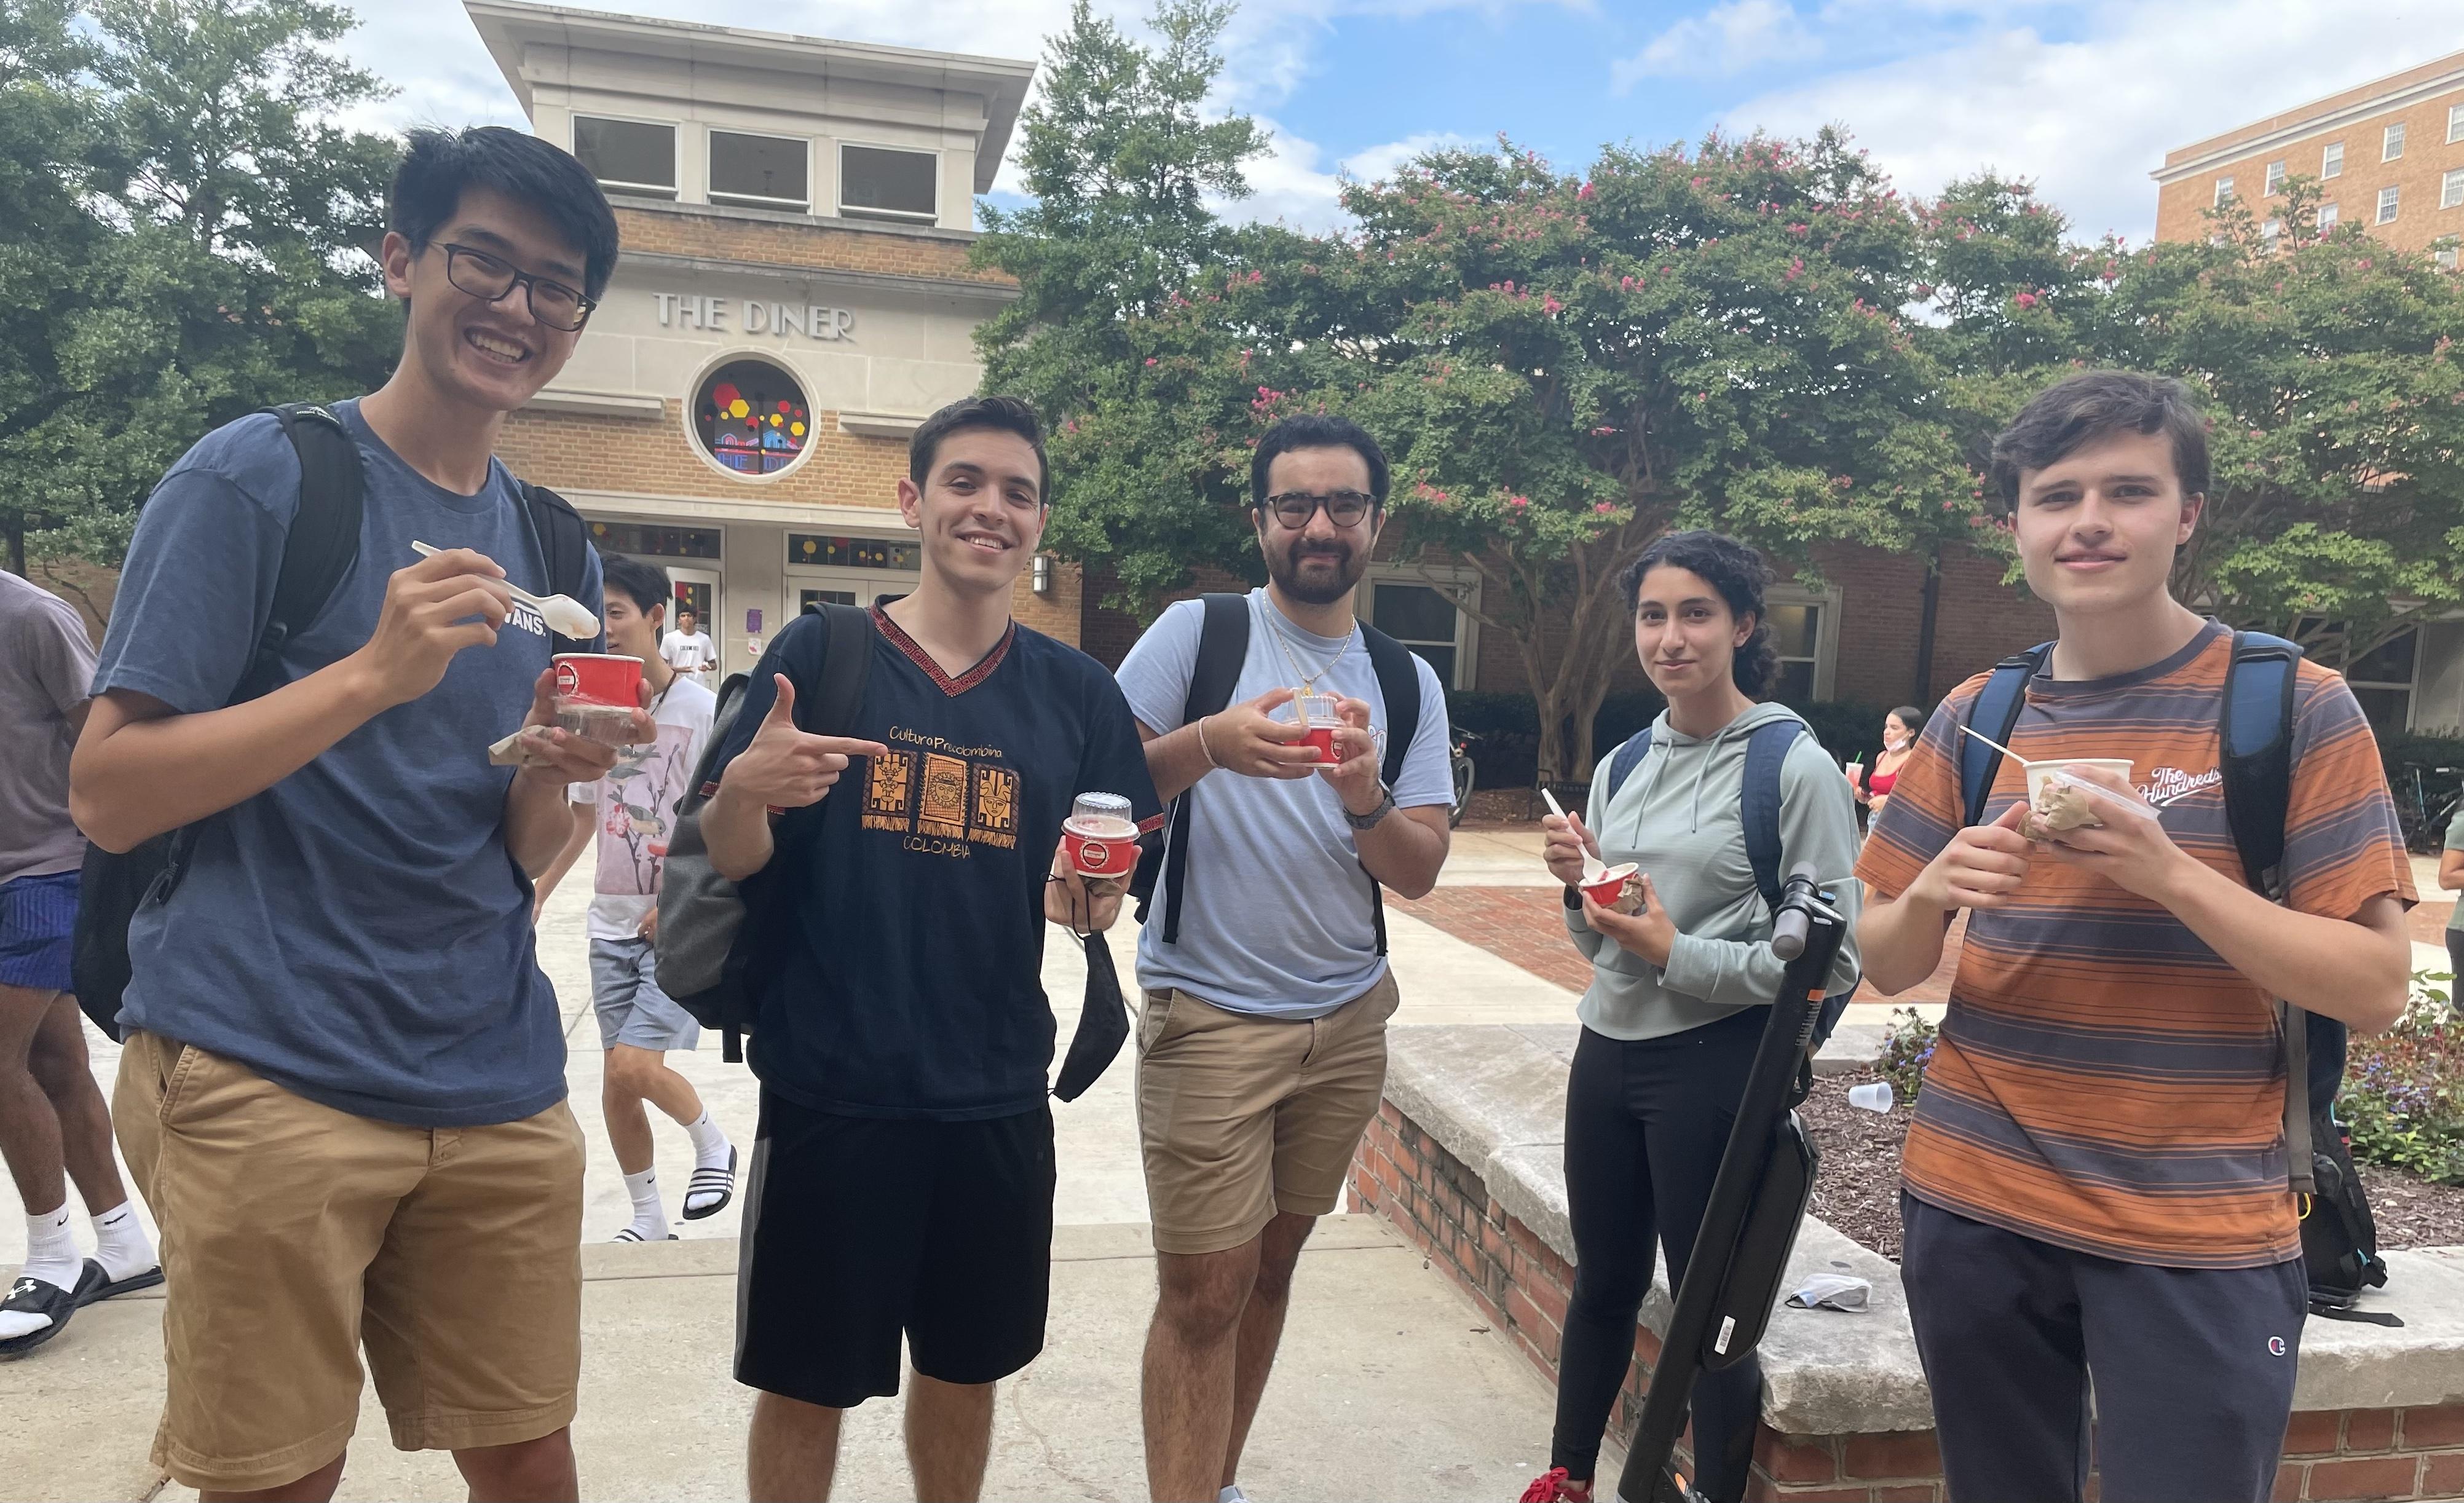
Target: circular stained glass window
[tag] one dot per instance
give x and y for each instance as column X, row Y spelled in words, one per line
column 750, row 417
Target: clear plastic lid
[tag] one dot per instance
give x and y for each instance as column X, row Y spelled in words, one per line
column 1101, row 812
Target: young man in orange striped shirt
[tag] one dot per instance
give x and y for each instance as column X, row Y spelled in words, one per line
column 2095, row 1183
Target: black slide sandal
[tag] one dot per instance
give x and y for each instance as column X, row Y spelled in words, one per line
column 98, row 1285
column 704, row 1181
column 36, row 1296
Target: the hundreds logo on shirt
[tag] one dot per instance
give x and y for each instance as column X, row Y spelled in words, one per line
column 2165, row 784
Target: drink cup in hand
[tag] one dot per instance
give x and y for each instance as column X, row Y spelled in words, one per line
column 596, row 695
column 1099, row 838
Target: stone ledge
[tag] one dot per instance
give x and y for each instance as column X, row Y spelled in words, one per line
column 1493, row 1098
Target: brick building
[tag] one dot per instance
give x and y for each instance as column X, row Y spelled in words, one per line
column 2389, row 156
column 795, row 296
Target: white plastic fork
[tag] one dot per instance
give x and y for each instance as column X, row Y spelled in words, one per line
column 564, row 615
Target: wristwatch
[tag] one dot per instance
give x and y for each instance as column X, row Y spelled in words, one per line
column 1372, row 819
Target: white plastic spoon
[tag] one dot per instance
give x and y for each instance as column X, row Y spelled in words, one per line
column 1592, row 865
column 564, row 615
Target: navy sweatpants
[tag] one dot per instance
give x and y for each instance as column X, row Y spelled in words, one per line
column 2192, row 1367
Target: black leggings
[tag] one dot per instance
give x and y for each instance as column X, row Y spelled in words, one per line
column 1645, row 1125
column 2455, row 968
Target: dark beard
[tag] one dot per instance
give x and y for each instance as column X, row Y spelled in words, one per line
column 1282, row 567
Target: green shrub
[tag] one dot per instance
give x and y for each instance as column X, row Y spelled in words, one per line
column 1908, row 1045
column 2403, row 1097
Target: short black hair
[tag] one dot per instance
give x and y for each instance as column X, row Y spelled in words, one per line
column 645, row 584
column 1004, row 414
column 1738, row 572
column 2078, row 410
column 438, row 166
column 1316, row 430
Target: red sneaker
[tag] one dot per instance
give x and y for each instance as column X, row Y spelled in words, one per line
column 1554, row 1487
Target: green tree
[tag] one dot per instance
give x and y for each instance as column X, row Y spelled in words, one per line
column 220, row 234
column 1123, row 164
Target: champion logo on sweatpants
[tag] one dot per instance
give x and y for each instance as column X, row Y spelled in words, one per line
column 2275, row 1346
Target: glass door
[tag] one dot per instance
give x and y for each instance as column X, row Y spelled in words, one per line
column 697, row 590
column 850, row 586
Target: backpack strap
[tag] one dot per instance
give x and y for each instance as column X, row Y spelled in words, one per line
column 565, row 540
column 323, row 538
column 1625, row 758
column 1767, row 748
column 1995, row 713
column 1399, row 683
column 1222, row 646
column 2254, row 753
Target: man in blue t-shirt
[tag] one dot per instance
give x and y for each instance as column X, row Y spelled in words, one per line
column 342, row 1089
column 903, row 1171
column 1262, row 1046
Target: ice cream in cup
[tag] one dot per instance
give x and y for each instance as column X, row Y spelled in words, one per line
column 2039, row 771
column 1618, row 888
column 1099, row 837
column 1317, row 715
column 596, row 695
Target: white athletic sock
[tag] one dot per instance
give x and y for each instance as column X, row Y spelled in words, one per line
column 649, row 1217
column 710, row 1144
column 52, row 1257
column 121, row 1244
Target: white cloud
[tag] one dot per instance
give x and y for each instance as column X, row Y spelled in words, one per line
column 1289, row 184
column 2089, row 118
column 1727, row 39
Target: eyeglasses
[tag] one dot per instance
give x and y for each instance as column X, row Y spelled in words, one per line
column 490, row 278
column 1343, row 508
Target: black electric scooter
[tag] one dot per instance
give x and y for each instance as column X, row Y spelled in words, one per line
column 1758, row 1200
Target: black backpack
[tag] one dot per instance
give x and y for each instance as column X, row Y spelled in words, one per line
column 1223, row 643
column 2254, row 736
column 317, row 551
column 1758, row 802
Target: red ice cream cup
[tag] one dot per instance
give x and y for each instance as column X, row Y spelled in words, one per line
column 1099, row 838
column 606, row 679
column 1317, row 715
column 1608, row 889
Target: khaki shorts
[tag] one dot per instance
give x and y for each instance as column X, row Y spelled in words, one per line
column 294, row 1234
column 1241, row 1116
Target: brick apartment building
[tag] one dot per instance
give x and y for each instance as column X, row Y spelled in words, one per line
column 2388, row 155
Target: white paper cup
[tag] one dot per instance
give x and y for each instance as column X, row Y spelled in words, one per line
column 2039, row 771
column 1873, row 1097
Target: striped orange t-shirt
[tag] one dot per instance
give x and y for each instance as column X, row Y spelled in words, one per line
column 2103, row 1081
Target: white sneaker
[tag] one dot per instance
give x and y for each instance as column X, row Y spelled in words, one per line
column 1232, row 1494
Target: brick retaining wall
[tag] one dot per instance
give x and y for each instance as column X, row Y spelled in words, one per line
column 1520, row 1285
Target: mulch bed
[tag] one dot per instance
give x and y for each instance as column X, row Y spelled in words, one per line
column 1857, row 1187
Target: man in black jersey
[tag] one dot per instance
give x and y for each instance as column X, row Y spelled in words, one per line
column 903, row 1177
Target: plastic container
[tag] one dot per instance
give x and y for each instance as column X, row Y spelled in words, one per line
column 1099, row 838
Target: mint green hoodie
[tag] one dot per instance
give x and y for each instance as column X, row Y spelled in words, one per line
column 1678, row 817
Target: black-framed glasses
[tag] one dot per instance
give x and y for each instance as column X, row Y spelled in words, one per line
column 490, row 278
column 1343, row 508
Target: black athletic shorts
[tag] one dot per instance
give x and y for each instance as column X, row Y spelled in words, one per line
column 859, row 1230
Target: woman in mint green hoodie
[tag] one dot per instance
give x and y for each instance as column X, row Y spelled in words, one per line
column 1681, row 991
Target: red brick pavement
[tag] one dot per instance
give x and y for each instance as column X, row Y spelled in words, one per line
column 1527, row 925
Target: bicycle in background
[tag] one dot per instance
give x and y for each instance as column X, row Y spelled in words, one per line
column 2426, row 801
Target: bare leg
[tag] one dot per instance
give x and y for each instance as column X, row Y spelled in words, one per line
column 792, row 1455
column 1187, row 1388
column 59, row 1066
column 948, row 1438
column 314, row 1487
column 632, row 1076
column 1262, row 1327
column 628, row 1127
column 29, row 1125
column 526, row 1471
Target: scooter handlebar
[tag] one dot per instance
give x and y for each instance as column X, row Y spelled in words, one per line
column 1790, row 927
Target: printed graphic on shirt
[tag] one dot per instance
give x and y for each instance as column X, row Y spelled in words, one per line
column 954, row 801
column 637, row 811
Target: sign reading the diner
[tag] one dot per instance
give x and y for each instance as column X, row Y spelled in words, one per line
column 753, row 316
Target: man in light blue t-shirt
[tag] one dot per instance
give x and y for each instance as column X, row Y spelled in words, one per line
column 1262, row 1045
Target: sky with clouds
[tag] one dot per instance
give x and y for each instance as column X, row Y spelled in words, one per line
column 2084, row 96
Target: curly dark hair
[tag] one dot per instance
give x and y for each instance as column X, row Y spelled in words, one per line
column 1739, row 574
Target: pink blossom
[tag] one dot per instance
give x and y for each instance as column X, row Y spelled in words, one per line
column 1603, row 508
column 2026, row 300
column 1150, row 359
column 1550, row 304
column 1518, row 503
column 1584, row 191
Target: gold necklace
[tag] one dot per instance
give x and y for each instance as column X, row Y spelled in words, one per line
column 1309, row 681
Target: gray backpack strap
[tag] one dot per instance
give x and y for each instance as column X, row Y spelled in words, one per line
column 2301, row 1167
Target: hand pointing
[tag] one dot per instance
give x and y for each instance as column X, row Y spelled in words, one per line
column 784, row 767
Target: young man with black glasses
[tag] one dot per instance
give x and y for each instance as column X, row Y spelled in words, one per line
column 342, row 1090
column 1262, row 1043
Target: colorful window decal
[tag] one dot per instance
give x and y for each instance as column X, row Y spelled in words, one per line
column 750, row 417
column 657, row 542
column 852, row 553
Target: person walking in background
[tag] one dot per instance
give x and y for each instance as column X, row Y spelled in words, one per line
column 1262, row 1043
column 633, row 810
column 54, row 1126
column 1680, row 988
column 688, row 649
column 1873, row 782
column 342, row 1083
column 2451, row 879
column 2094, row 1190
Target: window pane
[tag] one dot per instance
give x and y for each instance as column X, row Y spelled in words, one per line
column 894, row 182
column 2331, row 161
column 2394, row 147
column 653, row 541
column 750, row 417
column 1413, row 613
column 2276, row 177
column 2455, row 122
column 2388, row 709
column 1795, row 683
column 2390, row 664
column 2387, row 200
column 806, row 599
column 1795, row 630
column 627, row 153
column 2268, row 233
column 1440, row 658
column 852, row 553
column 2224, row 189
column 2451, row 189
column 2327, row 217
column 757, row 166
